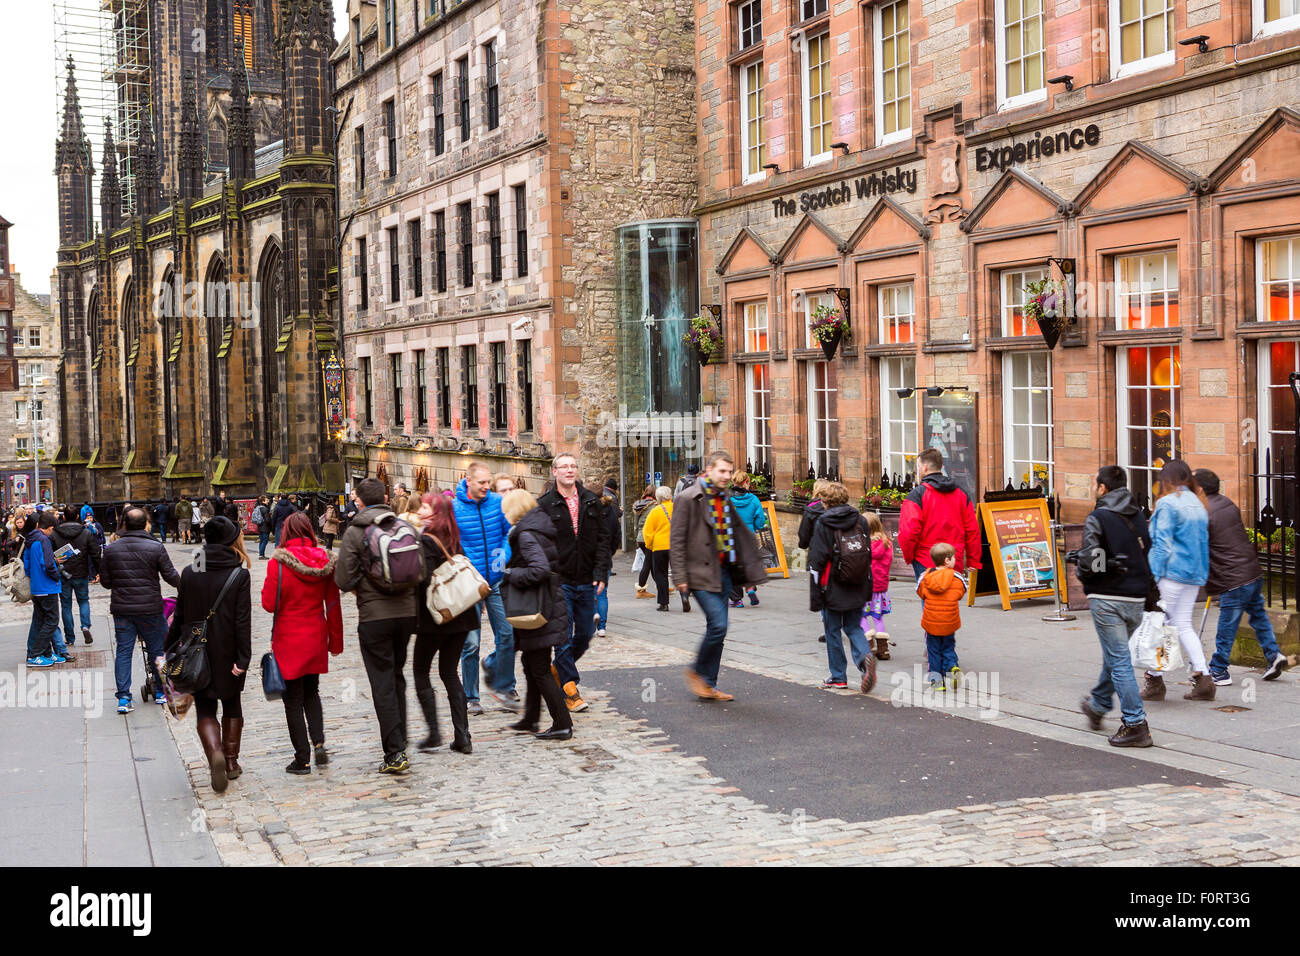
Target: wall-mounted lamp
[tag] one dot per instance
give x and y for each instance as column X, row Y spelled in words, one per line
column 772, row 166
column 464, row 448
column 934, row 391
column 843, row 146
column 1200, row 40
column 904, row 392
column 1065, row 78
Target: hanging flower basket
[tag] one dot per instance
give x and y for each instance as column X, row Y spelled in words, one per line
column 1043, row 301
column 828, row 329
column 705, row 337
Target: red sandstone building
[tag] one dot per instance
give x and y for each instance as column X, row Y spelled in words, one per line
column 932, row 166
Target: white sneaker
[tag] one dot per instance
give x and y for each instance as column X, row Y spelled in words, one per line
column 1277, row 667
column 600, row 632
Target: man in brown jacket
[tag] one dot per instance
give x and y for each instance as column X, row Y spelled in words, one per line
column 1235, row 574
column 709, row 549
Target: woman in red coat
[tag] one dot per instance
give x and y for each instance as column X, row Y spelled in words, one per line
column 308, row 627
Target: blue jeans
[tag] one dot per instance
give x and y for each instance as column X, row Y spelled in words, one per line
column 162, row 530
column 708, row 660
column 81, row 588
column 850, row 623
column 263, row 537
column 940, row 653
column 581, row 601
column 602, row 604
column 501, row 662
column 153, row 628
column 43, row 635
column 1247, row 599
column 1115, row 622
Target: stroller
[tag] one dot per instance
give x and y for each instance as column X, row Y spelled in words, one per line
column 178, row 704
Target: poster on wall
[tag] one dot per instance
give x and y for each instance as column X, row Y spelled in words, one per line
column 948, row 423
column 1019, row 536
column 769, row 544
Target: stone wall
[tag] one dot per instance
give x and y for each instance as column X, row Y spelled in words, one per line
column 30, row 313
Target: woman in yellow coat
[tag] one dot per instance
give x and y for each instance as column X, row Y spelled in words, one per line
column 657, row 531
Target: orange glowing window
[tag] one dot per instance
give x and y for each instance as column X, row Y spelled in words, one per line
column 1279, row 279
column 1013, row 301
column 244, row 31
column 756, row 327
column 897, row 306
column 1146, row 291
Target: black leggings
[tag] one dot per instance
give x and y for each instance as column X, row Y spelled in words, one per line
column 448, row 648
column 302, row 699
column 231, row 708
column 542, row 686
column 660, row 561
column 647, row 561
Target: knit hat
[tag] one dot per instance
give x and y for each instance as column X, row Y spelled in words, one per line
column 220, row 530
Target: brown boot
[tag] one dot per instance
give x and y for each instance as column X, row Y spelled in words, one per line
column 1202, row 688
column 210, row 737
column 1153, row 688
column 231, row 730
column 882, row 646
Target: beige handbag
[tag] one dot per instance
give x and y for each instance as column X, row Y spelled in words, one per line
column 454, row 587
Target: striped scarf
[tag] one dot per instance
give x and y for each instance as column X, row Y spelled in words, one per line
column 724, row 535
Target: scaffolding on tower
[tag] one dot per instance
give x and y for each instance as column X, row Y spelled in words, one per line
column 109, row 43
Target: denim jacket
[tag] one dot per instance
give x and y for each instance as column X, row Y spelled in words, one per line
column 1180, row 539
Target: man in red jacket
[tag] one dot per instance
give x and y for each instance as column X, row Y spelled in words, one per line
column 937, row 511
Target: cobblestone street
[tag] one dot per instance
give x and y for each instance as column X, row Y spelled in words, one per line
column 625, row 791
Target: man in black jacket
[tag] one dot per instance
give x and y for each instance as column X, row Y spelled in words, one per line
column 77, row 571
column 1112, row 564
column 582, row 539
column 1235, row 574
column 130, row 568
column 283, row 508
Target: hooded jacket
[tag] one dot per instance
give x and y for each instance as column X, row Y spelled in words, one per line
column 78, row 535
column 534, row 556
column 184, row 512
column 937, row 511
column 308, row 624
column 1180, row 538
column 1116, row 526
column 130, row 568
column 584, row 557
column 281, row 511
column 750, row 510
column 483, row 529
column 837, row 595
column 1234, row 562
column 42, row 570
column 882, row 559
column 350, row 573
column 811, row 512
column 941, row 590
column 229, row 631
column 641, row 509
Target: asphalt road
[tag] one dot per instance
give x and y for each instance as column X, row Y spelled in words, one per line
column 836, row 754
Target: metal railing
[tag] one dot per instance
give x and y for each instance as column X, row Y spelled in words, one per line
column 1274, row 525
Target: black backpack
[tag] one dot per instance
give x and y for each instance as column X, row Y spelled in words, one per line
column 851, row 562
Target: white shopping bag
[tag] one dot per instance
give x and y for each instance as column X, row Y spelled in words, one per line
column 638, row 562
column 1154, row 645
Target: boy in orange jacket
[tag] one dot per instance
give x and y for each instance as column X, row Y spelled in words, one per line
column 941, row 589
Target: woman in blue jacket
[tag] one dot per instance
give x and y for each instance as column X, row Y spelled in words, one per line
column 751, row 512
column 1180, row 563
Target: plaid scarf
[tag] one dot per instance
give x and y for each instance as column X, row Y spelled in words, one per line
column 724, row 536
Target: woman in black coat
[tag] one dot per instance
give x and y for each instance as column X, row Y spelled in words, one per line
column 533, row 556
column 438, row 521
column 229, row 637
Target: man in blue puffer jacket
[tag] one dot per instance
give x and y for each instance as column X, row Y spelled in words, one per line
column 483, row 529
column 44, row 643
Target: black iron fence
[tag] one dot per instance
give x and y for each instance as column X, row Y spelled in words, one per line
column 1274, row 526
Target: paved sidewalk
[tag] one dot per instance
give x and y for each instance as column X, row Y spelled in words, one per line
column 1042, row 671
column 81, row 785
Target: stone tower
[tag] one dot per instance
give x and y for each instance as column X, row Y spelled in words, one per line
column 110, row 190
column 305, row 41
column 74, row 166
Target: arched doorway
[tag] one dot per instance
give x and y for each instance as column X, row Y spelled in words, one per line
column 270, row 276
column 216, row 308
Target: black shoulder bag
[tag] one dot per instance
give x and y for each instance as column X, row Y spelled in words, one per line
column 186, row 665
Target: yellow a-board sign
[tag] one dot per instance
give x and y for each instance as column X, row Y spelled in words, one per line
column 1019, row 533
column 769, row 543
